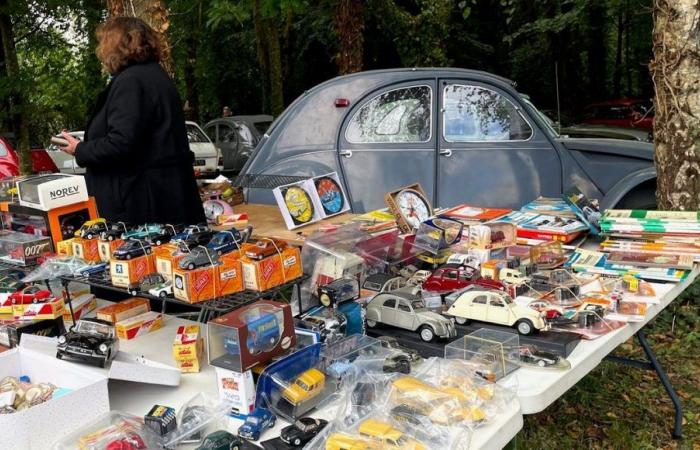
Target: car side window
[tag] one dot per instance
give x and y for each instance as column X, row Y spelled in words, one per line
column 465, row 275
column 477, row 114
column 493, row 301
column 404, row 306
column 246, row 135
column 398, row 115
column 390, row 303
column 450, row 274
column 480, row 300
column 211, row 132
column 227, row 133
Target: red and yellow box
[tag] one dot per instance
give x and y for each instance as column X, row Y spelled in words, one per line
column 189, row 366
column 139, row 325
column 39, row 311
column 272, row 271
column 106, row 248
column 86, row 249
column 82, row 304
column 5, row 305
column 167, row 257
column 130, row 271
column 65, row 247
column 209, row 282
column 124, row 310
column 188, row 347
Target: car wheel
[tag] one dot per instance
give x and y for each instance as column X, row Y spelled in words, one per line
column 89, row 236
column 235, row 447
column 541, row 363
column 426, row 333
column 190, row 266
column 35, row 301
column 110, row 238
column 371, row 323
column 525, row 327
column 297, row 442
column 134, row 292
column 162, row 294
column 148, row 251
column 59, row 355
column 128, row 256
column 158, row 242
column 461, row 320
column 219, row 253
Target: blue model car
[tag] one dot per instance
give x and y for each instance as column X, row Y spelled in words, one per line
column 263, row 334
column 143, row 231
column 256, row 421
column 229, row 240
column 131, row 249
column 91, row 269
column 190, row 229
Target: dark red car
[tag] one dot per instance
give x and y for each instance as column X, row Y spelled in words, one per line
column 130, row 442
column 30, row 294
column 9, row 162
column 450, row 278
column 624, row 112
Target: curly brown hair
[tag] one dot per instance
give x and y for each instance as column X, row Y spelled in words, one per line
column 126, row 40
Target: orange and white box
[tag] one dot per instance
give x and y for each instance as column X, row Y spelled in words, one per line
column 272, row 271
column 207, row 283
column 86, row 249
column 167, row 257
column 106, row 248
column 124, row 310
column 39, row 311
column 82, row 304
column 139, row 325
column 65, row 247
column 130, row 271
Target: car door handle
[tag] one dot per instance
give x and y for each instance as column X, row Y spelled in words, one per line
column 345, row 153
column 446, row 152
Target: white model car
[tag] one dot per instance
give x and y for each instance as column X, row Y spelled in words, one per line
column 206, row 155
column 495, row 307
column 162, row 290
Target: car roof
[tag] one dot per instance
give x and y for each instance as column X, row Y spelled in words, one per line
column 380, row 278
column 403, row 294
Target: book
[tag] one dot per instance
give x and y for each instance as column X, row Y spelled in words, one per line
column 651, row 260
column 549, row 206
column 545, row 227
column 591, row 261
column 468, row 213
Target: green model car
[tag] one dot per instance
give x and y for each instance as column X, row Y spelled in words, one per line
column 221, row 440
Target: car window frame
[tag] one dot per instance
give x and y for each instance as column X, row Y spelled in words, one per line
column 469, row 83
column 221, row 134
column 390, row 299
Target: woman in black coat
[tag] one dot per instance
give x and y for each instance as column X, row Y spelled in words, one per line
column 136, row 153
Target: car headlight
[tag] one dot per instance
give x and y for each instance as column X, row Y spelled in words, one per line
column 103, row 348
column 61, row 339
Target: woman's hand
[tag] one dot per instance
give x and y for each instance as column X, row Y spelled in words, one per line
column 72, row 143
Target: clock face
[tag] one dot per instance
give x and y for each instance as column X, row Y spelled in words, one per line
column 413, row 207
column 326, row 300
column 213, row 209
column 299, row 205
column 330, row 194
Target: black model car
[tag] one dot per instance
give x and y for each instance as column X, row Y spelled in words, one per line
column 147, row 283
column 198, row 257
column 198, row 238
column 361, row 400
column 115, row 230
column 94, row 230
column 533, row 356
column 397, row 363
column 221, row 440
column 302, row 431
column 390, row 342
column 164, row 235
column 329, row 324
column 131, row 249
column 91, row 340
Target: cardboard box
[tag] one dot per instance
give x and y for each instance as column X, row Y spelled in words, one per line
column 11, row 331
column 65, row 247
column 131, row 271
column 167, row 257
column 271, row 271
column 39, row 427
column 236, row 388
column 188, row 344
column 23, row 249
column 5, row 304
column 209, row 282
column 189, row 366
column 39, row 311
column 82, row 304
column 86, row 249
column 105, row 248
column 139, row 325
column 124, row 310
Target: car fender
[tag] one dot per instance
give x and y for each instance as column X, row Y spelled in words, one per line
column 373, row 314
column 437, row 326
column 626, row 185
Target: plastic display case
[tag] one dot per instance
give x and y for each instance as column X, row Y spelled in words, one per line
column 493, row 353
column 23, row 249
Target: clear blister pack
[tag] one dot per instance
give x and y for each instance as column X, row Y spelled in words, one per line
column 196, row 419
column 62, row 266
column 114, row 429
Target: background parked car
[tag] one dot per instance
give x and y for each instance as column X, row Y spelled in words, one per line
column 623, row 112
column 606, row 132
column 237, row 137
column 206, row 155
column 9, row 162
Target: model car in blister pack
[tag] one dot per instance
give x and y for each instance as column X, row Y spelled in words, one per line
column 92, row 340
column 390, row 342
column 221, row 440
column 255, row 423
column 302, row 431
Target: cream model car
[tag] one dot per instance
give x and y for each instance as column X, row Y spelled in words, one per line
column 498, row 308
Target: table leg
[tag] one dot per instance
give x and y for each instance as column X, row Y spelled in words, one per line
column 653, row 364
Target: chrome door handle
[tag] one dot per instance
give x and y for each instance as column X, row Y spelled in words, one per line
column 446, row 152
column 345, row 153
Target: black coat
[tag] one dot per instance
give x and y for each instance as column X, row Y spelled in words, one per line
column 136, row 154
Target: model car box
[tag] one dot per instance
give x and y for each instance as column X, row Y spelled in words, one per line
column 39, row 427
column 86, row 249
column 209, row 282
column 39, row 311
column 105, row 248
column 11, row 331
column 130, row 271
column 46, row 192
column 236, row 388
column 21, row 248
column 270, row 272
column 167, row 257
column 124, row 310
column 188, row 346
column 492, row 235
column 65, row 247
column 139, row 325
column 82, row 304
column 250, row 335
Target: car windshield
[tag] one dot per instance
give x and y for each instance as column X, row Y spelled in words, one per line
column 196, row 135
column 418, row 304
column 219, row 239
column 252, row 419
column 302, row 385
column 549, row 125
column 97, row 329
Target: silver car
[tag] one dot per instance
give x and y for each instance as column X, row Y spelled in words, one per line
column 407, row 311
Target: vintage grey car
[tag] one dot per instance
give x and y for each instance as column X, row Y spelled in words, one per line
column 407, row 311
column 236, row 137
column 464, row 135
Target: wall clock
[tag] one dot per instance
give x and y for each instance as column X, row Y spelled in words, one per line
column 299, row 205
column 330, row 194
column 215, row 207
column 410, row 207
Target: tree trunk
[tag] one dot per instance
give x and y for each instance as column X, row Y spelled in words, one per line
column 349, row 23
column 617, row 74
column 262, row 50
column 267, row 42
column 275, row 64
column 191, row 42
column 93, row 69
column 18, row 108
column 597, row 49
column 675, row 72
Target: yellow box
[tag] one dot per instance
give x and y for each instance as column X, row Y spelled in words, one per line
column 126, row 273
column 86, row 249
column 65, row 247
column 105, row 249
column 139, row 325
column 188, row 347
column 189, row 366
column 124, row 310
column 39, row 311
column 272, row 271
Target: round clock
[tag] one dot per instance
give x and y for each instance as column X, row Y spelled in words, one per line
column 413, row 207
column 326, row 300
column 299, row 205
column 214, row 208
column 330, row 194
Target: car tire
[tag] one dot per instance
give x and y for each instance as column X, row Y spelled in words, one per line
column 541, row 363
column 190, row 266
column 461, row 320
column 89, row 236
column 371, row 323
column 236, row 447
column 158, row 242
column 219, row 253
column 128, row 256
column 134, row 292
column 59, row 355
column 525, row 327
column 297, row 442
column 148, row 251
column 426, row 333
column 162, row 294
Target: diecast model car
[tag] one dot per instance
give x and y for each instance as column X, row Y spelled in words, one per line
column 198, row 257
column 305, row 386
column 181, row 236
column 387, row 436
column 221, row 440
column 131, row 249
column 330, row 325
column 419, row 277
column 115, row 230
column 549, row 281
column 92, row 340
column 142, row 231
column 532, row 356
column 390, row 342
column 341, row 441
column 162, row 290
column 87, row 228
column 449, row 278
column 381, row 282
column 496, row 307
column 403, row 310
column 91, row 269
column 302, row 431
column 146, row 283
column 229, row 240
column 164, row 235
column 10, row 284
column 132, row 441
column 199, row 238
column 550, row 311
column 397, row 363
column 30, row 294
column 266, row 247
column 255, row 423
column 419, row 423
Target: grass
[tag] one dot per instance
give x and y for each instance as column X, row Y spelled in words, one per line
column 620, row 407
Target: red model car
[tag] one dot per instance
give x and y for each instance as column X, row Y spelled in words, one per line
column 30, row 294
column 624, row 112
column 450, row 278
column 131, row 442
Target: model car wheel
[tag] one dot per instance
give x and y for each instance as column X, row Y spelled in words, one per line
column 525, row 327
column 461, row 320
column 162, row 294
column 541, row 363
column 158, row 242
column 190, row 266
column 371, row 323
column 297, row 442
column 219, row 253
column 134, row 292
column 148, row 251
column 427, row 333
column 110, row 238
column 128, row 256
column 59, row 355
column 235, row 447
column 89, row 236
